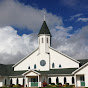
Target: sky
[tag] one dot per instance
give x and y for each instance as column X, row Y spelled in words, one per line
column 21, row 20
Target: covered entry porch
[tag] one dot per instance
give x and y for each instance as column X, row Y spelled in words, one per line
column 32, row 79
column 80, row 80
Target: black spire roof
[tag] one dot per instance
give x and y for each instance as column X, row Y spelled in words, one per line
column 44, row 29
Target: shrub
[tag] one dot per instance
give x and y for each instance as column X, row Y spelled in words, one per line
column 72, row 86
column 52, row 83
column 64, row 85
column 11, row 85
column 59, row 84
column 4, row 86
column 22, row 85
column 44, row 84
column 67, row 84
column 18, row 85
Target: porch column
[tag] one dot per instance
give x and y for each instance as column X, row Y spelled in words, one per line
column 75, row 80
column 25, row 81
column 38, row 81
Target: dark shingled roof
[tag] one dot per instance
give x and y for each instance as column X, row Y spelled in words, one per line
column 44, row 29
column 83, row 61
column 7, row 70
column 58, row 71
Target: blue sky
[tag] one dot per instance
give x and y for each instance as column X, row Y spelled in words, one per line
column 63, row 8
column 21, row 20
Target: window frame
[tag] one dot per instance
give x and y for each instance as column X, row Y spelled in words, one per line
column 34, row 66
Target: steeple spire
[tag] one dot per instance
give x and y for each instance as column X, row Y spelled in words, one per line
column 44, row 16
column 44, row 28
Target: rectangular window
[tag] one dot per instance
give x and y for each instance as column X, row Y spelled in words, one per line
column 82, row 78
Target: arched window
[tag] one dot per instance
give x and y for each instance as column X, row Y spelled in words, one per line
column 59, row 65
column 5, row 81
column 23, row 81
column 42, row 40
column 10, row 81
column 17, row 82
column 53, row 65
column 73, row 80
column 47, row 40
column 57, row 80
column 35, row 66
column 29, row 67
column 65, row 80
column 49, row 80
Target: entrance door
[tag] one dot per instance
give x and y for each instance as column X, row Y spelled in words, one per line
column 34, row 81
column 82, row 80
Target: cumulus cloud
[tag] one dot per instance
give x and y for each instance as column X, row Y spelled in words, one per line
column 82, row 19
column 12, row 13
column 13, row 47
column 16, row 14
column 75, row 46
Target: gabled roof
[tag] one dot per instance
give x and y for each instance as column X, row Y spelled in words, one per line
column 31, row 70
column 80, row 68
column 64, row 55
column 44, row 29
column 7, row 70
column 83, row 61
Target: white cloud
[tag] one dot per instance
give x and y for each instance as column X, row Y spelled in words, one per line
column 76, row 46
column 75, row 16
column 83, row 19
column 16, row 14
column 13, row 47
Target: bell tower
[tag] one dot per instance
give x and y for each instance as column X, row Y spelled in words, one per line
column 44, row 38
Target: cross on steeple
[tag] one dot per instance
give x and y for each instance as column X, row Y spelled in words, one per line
column 44, row 16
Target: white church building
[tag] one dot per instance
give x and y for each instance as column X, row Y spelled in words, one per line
column 45, row 64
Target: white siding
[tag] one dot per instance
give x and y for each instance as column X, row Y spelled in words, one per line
column 83, row 71
column 29, row 61
column 61, row 79
column 1, row 81
column 58, row 58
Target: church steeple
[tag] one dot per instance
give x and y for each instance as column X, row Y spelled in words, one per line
column 44, row 38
